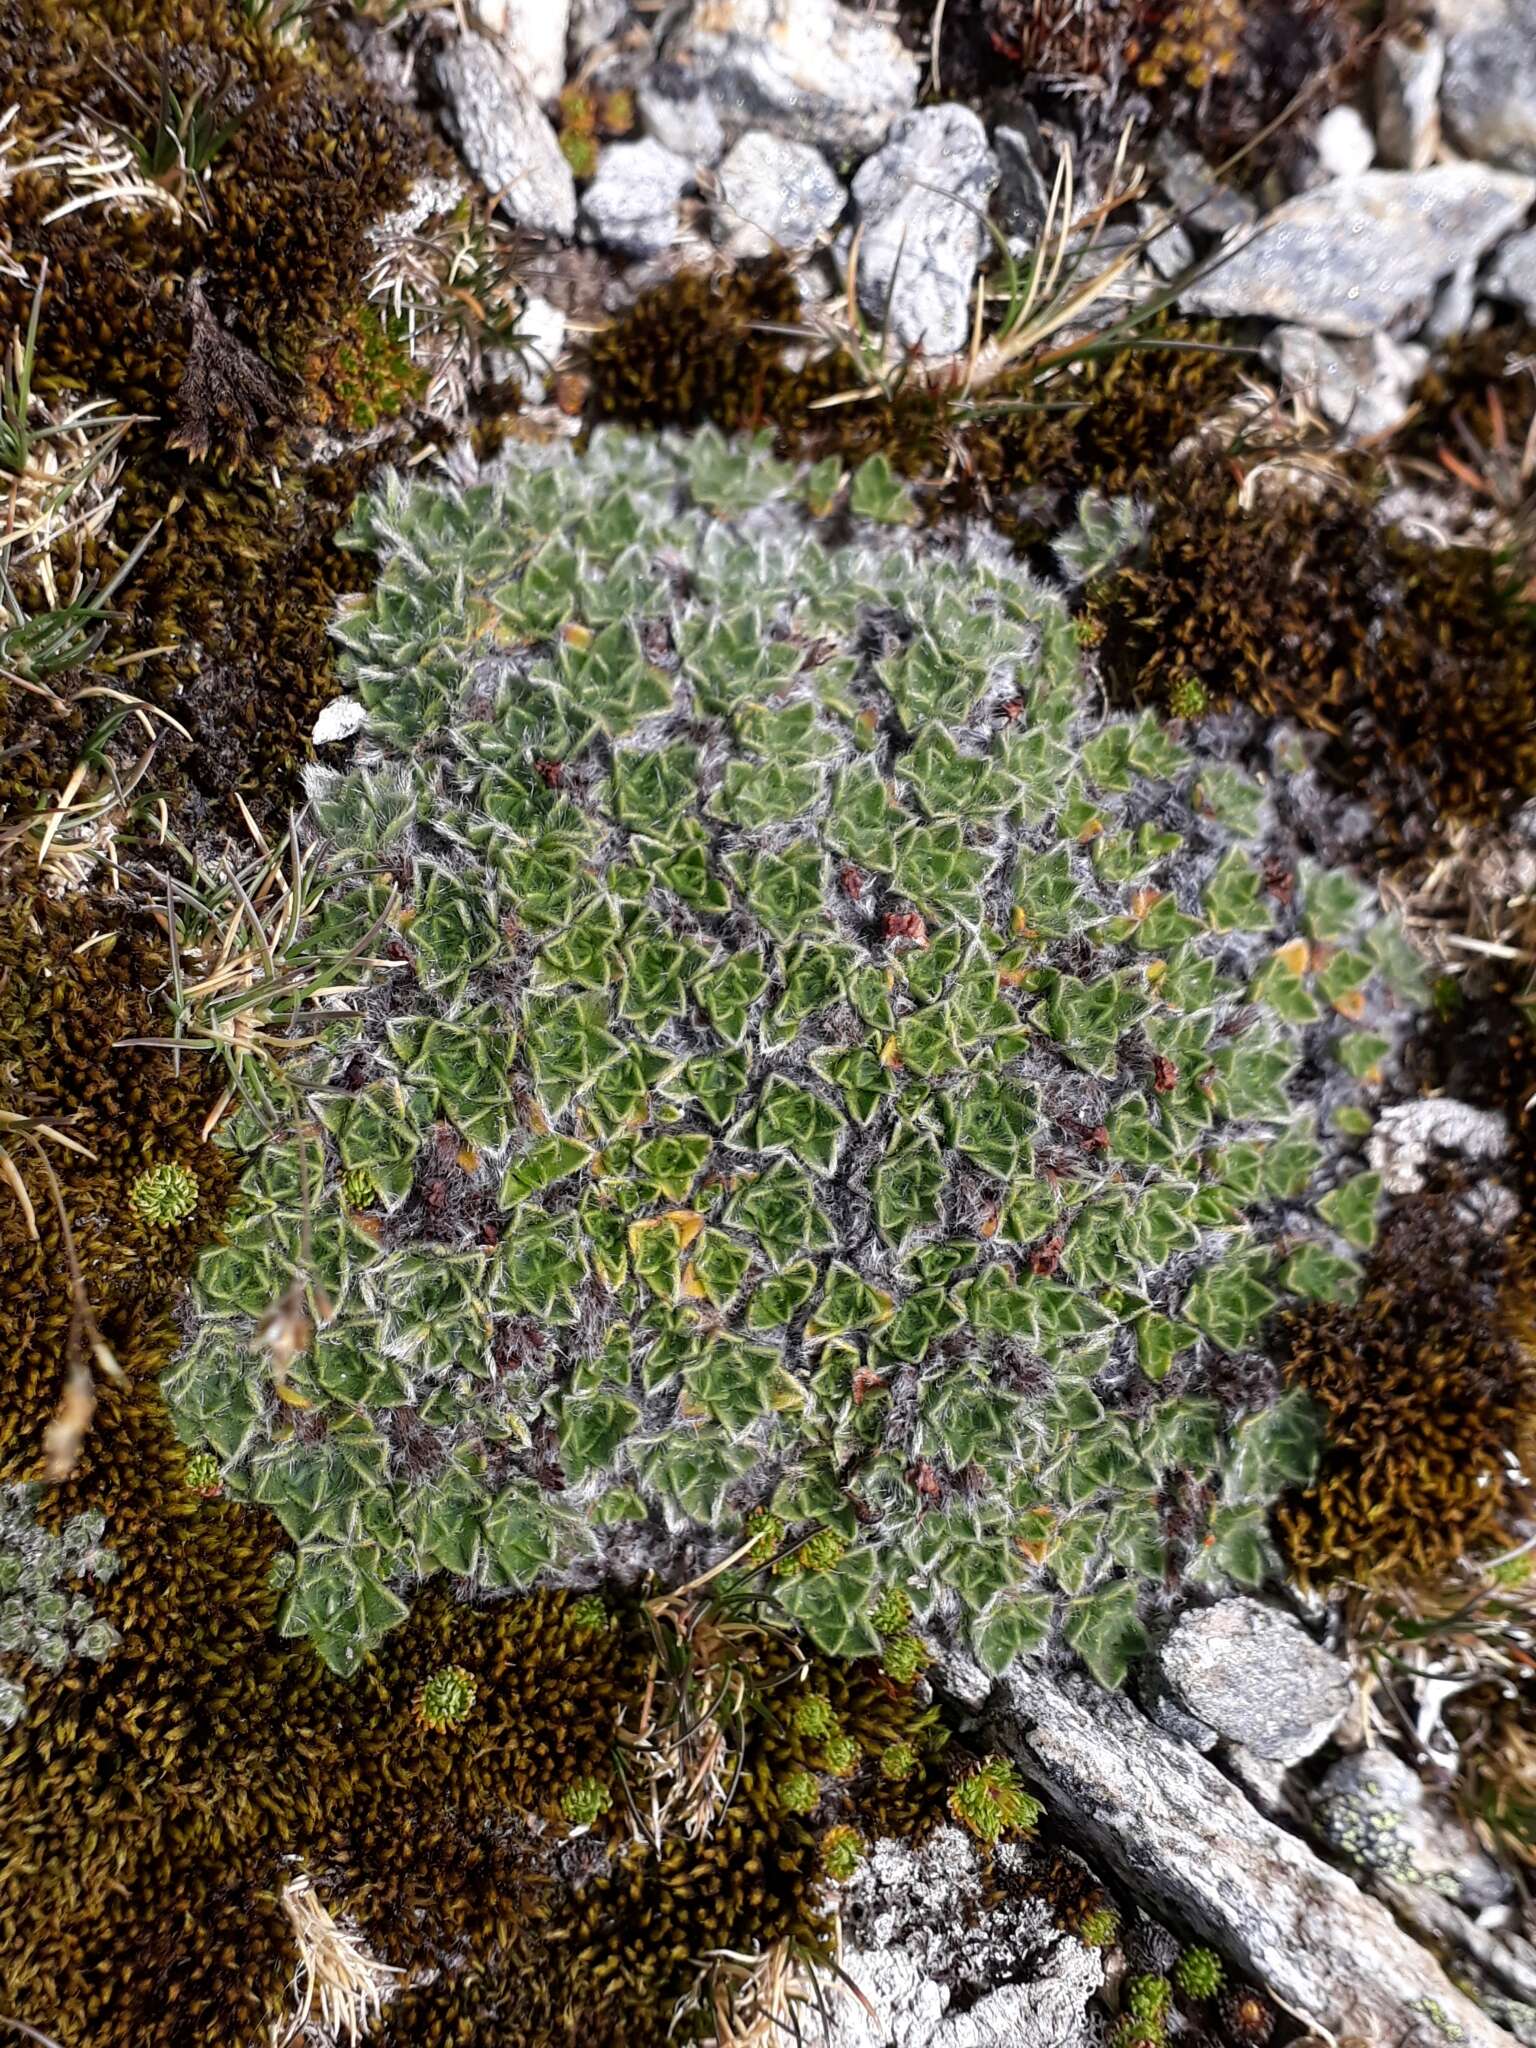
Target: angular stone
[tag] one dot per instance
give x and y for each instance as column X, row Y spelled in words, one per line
column 814, row 70
column 921, row 210
column 1256, row 1677
column 680, row 115
column 631, row 204
column 1362, row 386
column 1175, row 1830
column 1409, row 65
column 1512, row 274
column 1359, row 254
column 1488, row 93
column 775, row 194
column 532, row 36
column 505, row 136
column 1192, row 191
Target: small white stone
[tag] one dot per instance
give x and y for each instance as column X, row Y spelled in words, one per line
column 541, row 327
column 1345, row 146
column 338, row 720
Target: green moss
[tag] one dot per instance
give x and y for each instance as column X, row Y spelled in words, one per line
column 165, row 1195
column 586, row 1801
column 799, row 1791
column 1199, row 1973
column 842, row 1852
column 446, row 1698
column 991, row 1802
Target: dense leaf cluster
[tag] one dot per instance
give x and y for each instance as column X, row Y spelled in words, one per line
column 823, row 1071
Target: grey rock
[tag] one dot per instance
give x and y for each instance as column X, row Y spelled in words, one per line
column 631, row 204
column 1265, row 1782
column 1256, row 1677
column 680, row 115
column 1175, row 1830
column 1375, row 1811
column 1345, row 146
column 593, row 22
column 1174, row 1720
column 531, row 35
column 1359, row 254
column 1409, row 1135
column 1023, row 189
column 1488, row 92
column 505, row 136
column 1409, row 63
column 1362, row 386
column 775, row 194
column 1454, row 307
column 944, row 1966
column 1512, row 274
column 1193, row 193
column 920, row 205
column 814, row 70
column 1170, row 250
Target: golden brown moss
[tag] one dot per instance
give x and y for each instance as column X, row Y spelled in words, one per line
column 159, row 1801
column 705, row 348
column 229, row 318
column 1415, row 662
column 74, row 979
column 1425, row 1389
column 270, row 241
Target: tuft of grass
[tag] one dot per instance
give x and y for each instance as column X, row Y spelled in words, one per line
column 241, row 988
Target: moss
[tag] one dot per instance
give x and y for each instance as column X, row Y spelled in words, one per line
column 230, row 324
column 1219, row 72
column 74, row 972
column 1425, row 1390
column 162, row 1798
column 1414, row 663
column 991, row 1802
column 699, row 348
column 275, row 230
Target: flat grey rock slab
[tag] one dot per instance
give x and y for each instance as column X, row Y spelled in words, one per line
column 1174, row 1829
column 1357, row 255
column 1488, row 92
